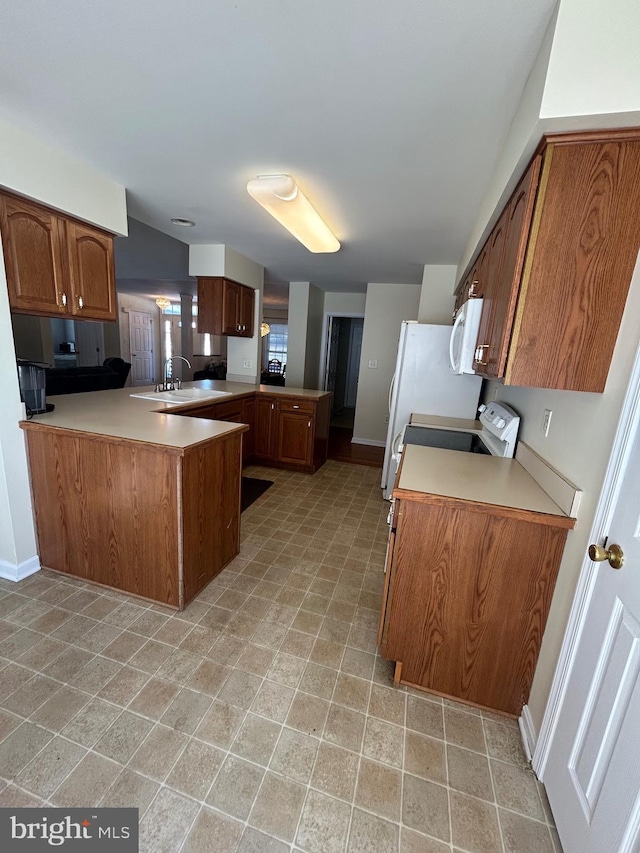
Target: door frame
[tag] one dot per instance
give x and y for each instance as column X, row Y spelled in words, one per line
column 326, row 325
column 628, row 424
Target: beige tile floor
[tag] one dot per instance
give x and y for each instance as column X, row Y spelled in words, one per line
column 260, row 718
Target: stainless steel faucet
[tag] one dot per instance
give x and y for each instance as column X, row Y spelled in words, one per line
column 169, row 383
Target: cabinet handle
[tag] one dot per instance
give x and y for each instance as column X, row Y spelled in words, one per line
column 295, row 406
column 63, row 299
column 472, row 287
column 480, row 353
column 272, row 406
column 309, row 424
column 80, row 302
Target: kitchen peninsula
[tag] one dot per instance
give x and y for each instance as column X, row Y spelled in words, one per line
column 130, row 493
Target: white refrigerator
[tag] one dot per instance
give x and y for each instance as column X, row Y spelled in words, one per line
column 424, row 383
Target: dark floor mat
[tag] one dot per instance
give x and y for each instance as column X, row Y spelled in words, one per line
column 252, row 488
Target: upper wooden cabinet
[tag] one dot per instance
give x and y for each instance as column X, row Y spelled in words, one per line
column 559, row 263
column 225, row 307
column 55, row 265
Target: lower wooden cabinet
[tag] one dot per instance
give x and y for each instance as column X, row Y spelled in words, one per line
column 467, row 593
column 152, row 521
column 285, row 432
column 292, row 432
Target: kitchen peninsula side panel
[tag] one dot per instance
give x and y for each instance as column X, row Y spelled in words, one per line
column 106, row 511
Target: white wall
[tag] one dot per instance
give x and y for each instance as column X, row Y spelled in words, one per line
column 386, row 307
column 314, row 337
column 594, row 66
column 297, row 332
column 436, row 295
column 344, row 303
column 35, row 169
column 217, row 259
column 585, row 77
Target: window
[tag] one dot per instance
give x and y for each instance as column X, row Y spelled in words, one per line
column 276, row 343
column 202, row 343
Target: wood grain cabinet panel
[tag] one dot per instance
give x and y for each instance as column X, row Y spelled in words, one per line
column 154, row 522
column 91, row 270
column 225, row 307
column 33, row 239
column 55, row 265
column 295, row 438
column 467, row 598
column 561, row 257
column 264, row 437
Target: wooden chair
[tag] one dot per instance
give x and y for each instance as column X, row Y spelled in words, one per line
column 274, row 366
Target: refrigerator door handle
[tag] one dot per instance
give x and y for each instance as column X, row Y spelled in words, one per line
column 395, row 443
column 393, row 382
column 458, row 322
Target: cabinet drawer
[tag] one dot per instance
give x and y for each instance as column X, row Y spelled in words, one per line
column 306, row 407
column 231, row 411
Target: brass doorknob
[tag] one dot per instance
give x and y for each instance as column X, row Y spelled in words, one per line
column 613, row 554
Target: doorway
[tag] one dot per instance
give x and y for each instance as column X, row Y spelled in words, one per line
column 141, row 338
column 344, row 344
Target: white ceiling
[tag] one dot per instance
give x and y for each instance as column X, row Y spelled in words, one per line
column 389, row 113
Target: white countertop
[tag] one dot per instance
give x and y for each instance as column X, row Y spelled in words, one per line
column 473, row 477
column 116, row 414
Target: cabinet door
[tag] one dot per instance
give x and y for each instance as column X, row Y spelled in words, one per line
column 245, row 313
column 91, row 270
column 248, row 417
column 265, row 418
column 295, row 438
column 230, row 308
column 32, row 238
column 210, row 306
column 508, row 244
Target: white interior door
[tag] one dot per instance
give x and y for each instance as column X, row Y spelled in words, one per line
column 331, row 358
column 141, row 338
column 593, row 771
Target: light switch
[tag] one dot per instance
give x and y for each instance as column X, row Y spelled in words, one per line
column 373, row 363
column 247, row 363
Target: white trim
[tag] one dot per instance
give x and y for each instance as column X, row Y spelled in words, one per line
column 325, row 341
column 368, row 441
column 19, row 571
column 621, row 449
column 527, row 731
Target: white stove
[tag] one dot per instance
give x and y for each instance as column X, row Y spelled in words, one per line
column 494, row 434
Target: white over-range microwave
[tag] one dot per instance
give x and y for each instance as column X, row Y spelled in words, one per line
column 464, row 336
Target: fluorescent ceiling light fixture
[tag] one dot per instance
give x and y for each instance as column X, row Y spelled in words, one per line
column 283, row 199
column 163, row 303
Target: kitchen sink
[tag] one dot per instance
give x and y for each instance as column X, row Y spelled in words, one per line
column 182, row 395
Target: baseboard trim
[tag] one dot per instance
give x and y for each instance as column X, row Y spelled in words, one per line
column 19, row 571
column 527, row 732
column 369, row 442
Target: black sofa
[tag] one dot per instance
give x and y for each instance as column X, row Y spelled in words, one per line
column 75, row 380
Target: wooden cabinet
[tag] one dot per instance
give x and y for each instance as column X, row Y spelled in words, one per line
column 467, row 593
column 249, row 418
column 264, row 437
column 295, row 432
column 55, row 265
column 292, row 432
column 285, row 432
column 560, row 261
column 152, row 521
column 225, row 307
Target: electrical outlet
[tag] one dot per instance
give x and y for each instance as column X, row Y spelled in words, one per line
column 247, row 363
column 373, row 363
column 546, row 422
